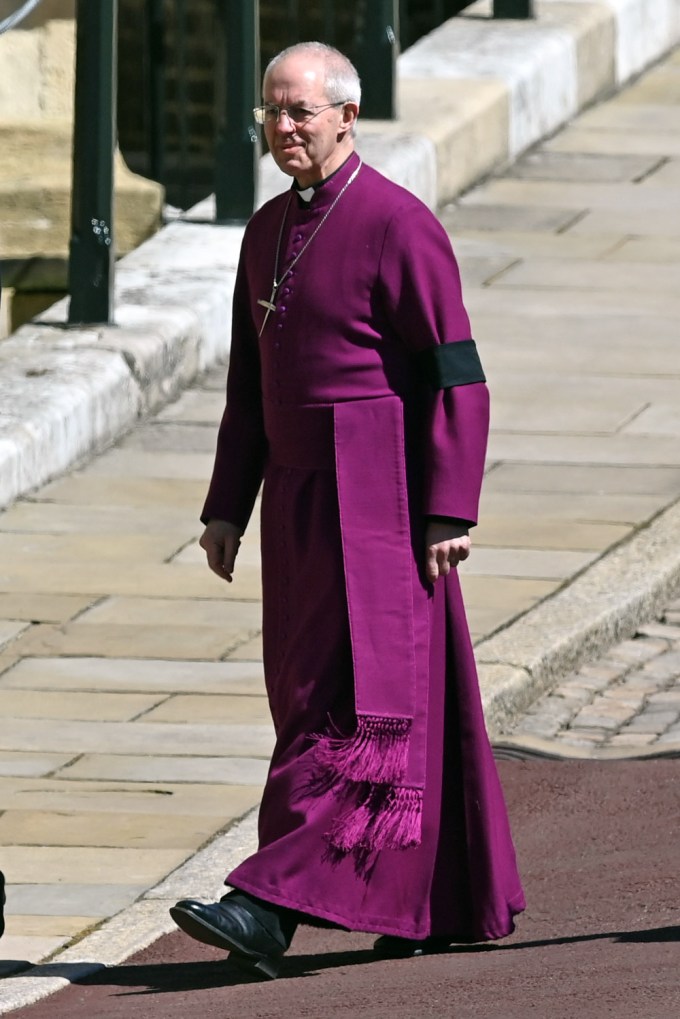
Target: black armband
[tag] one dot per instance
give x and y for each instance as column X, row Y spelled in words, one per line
column 452, row 364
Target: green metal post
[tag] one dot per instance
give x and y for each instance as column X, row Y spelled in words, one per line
column 238, row 91
column 91, row 256
column 513, row 8
column 377, row 59
column 155, row 35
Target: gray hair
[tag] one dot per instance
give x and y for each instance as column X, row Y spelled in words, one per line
column 341, row 80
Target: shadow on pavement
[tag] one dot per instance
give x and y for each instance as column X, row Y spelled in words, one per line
column 169, row 977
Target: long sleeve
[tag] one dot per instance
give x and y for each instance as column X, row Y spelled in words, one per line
column 241, row 442
column 422, row 293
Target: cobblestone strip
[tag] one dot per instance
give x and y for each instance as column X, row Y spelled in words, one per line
column 628, row 699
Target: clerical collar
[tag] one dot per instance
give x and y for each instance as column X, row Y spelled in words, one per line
column 307, row 194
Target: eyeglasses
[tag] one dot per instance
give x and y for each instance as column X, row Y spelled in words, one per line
column 270, row 112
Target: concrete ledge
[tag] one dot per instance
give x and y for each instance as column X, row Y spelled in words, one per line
column 628, row 586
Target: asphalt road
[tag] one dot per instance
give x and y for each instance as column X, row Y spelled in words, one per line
column 598, row 846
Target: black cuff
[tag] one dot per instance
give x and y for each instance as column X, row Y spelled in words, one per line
column 452, row 364
column 436, row 518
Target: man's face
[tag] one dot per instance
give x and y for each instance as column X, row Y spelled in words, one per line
column 311, row 150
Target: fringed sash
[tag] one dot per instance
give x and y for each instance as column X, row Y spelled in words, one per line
column 378, row 771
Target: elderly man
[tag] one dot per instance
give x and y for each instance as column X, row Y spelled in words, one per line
column 356, row 394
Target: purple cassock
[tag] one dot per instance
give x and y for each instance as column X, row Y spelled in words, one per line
column 382, row 810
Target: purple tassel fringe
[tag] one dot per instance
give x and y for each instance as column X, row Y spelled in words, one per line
column 390, row 821
column 369, row 766
column 376, row 753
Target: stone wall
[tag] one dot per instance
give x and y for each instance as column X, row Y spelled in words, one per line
column 37, row 76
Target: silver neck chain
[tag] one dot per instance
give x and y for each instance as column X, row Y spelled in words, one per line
column 276, row 283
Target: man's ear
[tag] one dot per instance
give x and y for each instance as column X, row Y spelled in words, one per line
column 350, row 112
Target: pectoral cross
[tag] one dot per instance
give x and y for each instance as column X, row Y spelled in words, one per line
column 269, row 305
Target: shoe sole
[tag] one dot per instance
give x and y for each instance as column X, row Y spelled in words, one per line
column 264, row 966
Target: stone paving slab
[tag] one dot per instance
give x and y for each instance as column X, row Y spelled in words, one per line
column 81, row 706
column 594, row 275
column 20, row 763
column 667, row 176
column 145, row 493
column 180, row 739
column 584, row 478
column 141, row 641
column 577, row 457
column 233, row 771
column 40, row 926
column 603, row 304
column 71, row 518
column 619, row 508
column 142, row 795
column 127, row 674
column 89, row 864
column 510, row 530
column 662, row 419
column 10, row 630
column 198, row 406
column 216, row 709
column 128, row 579
column 57, row 899
column 542, row 564
column 571, row 195
column 172, row 437
column 576, row 166
column 180, row 612
column 515, row 244
column 612, row 142
column 100, row 548
column 638, row 249
column 120, row 830
column 41, row 608
column 632, row 116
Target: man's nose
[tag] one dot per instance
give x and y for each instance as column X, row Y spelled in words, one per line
column 286, row 125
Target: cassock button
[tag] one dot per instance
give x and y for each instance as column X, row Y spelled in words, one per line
column 298, row 237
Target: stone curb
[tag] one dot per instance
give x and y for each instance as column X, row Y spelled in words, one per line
column 626, row 587
column 473, row 94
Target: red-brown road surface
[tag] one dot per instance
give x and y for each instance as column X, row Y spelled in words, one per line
column 599, row 851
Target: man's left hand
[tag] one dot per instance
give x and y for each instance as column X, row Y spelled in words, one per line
column 446, row 545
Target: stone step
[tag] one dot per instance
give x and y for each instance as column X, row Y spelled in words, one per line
column 35, row 195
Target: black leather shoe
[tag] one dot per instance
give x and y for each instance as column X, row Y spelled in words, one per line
column 387, row 946
column 229, row 925
column 3, row 900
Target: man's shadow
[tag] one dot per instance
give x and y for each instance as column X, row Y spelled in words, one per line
column 169, row 977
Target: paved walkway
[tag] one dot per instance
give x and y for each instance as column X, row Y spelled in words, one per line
column 133, row 724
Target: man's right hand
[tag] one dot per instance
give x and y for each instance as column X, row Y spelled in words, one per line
column 220, row 542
